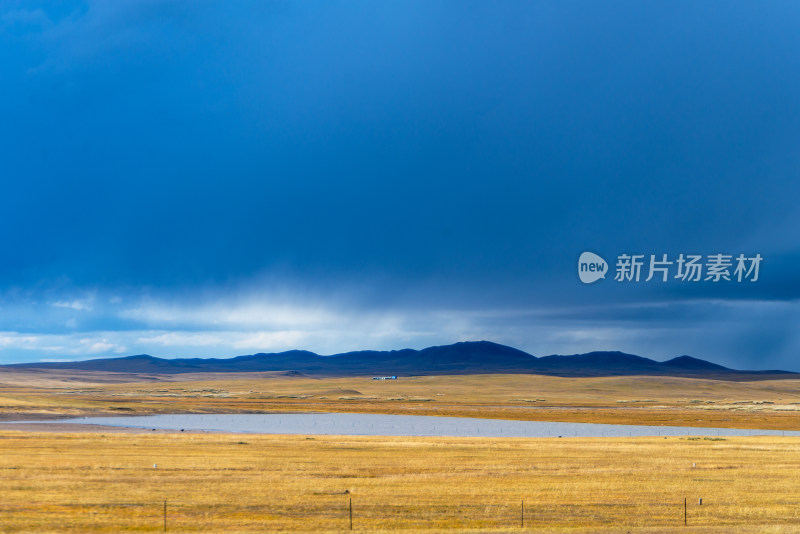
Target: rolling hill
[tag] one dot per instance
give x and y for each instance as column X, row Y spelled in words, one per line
column 474, row 357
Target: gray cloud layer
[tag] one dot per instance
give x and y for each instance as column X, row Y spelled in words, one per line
column 208, row 178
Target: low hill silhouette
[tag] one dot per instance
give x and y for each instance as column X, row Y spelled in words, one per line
column 472, row 357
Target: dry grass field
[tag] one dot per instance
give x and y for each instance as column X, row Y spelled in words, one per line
column 769, row 404
column 256, row 483
column 105, row 481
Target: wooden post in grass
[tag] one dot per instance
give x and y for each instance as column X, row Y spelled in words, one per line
column 165, row 515
column 522, row 514
column 351, row 513
column 684, row 511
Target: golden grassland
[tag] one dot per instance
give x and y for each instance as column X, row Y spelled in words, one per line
column 247, row 483
column 768, row 404
column 95, row 482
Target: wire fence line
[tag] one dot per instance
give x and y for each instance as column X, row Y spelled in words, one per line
column 366, row 514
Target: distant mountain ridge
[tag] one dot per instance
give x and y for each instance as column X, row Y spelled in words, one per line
column 468, row 357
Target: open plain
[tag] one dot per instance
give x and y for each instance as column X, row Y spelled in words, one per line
column 94, row 479
column 255, row 483
column 765, row 404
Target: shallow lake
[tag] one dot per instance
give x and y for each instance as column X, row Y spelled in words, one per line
column 402, row 425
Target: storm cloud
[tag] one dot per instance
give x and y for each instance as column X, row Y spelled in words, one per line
column 215, row 178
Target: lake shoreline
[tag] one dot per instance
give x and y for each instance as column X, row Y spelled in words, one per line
column 354, row 424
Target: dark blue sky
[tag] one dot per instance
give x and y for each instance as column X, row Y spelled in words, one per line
column 219, row 178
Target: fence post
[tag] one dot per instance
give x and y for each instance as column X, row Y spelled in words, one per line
column 351, row 513
column 165, row 515
column 684, row 511
column 522, row 514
